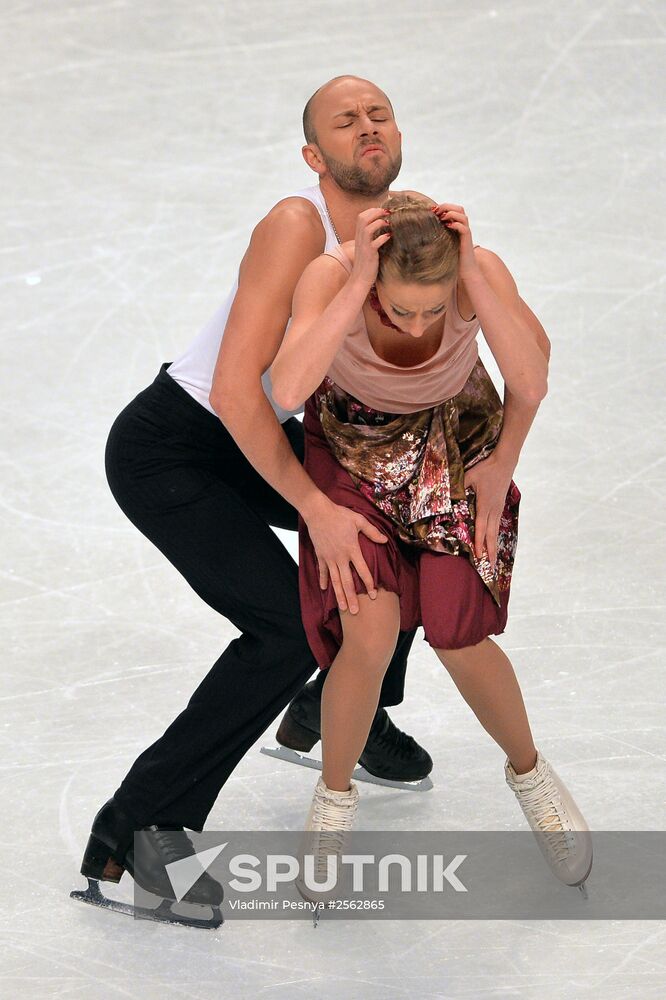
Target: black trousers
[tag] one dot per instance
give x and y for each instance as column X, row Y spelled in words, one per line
column 179, row 476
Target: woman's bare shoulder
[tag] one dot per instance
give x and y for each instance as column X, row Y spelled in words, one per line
column 349, row 249
column 330, row 263
column 328, row 270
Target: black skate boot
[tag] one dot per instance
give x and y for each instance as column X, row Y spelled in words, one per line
column 110, row 851
column 389, row 755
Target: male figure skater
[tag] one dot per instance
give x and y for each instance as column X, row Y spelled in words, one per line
column 204, row 460
column 209, row 500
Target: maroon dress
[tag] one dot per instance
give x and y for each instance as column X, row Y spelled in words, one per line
column 405, row 473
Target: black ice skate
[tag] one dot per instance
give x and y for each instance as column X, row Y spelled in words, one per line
column 110, row 852
column 390, row 757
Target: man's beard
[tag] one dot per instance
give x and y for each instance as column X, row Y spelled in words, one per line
column 357, row 180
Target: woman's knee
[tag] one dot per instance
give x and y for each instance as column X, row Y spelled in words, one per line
column 373, row 632
column 462, row 658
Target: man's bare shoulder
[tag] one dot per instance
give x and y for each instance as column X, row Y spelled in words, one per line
column 294, row 216
column 294, row 229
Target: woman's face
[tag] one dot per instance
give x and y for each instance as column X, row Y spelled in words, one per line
column 414, row 307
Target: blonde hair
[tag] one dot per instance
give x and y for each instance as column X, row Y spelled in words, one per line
column 421, row 248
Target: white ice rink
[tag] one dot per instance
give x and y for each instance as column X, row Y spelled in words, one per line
column 142, row 141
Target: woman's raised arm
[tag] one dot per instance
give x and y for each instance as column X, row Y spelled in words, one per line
column 515, row 337
column 326, row 304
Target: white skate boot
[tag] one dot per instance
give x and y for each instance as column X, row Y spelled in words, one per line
column 327, row 826
column 562, row 834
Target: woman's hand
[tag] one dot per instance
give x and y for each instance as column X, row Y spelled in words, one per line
column 490, row 480
column 454, row 217
column 366, row 244
column 334, row 531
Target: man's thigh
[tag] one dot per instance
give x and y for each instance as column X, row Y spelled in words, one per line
column 216, row 537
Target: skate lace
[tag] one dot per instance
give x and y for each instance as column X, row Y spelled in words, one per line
column 548, row 816
column 394, row 741
column 331, row 823
column 172, row 844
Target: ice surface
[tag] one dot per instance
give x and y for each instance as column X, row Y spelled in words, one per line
column 142, row 143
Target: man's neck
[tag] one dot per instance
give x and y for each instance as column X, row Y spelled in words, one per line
column 344, row 207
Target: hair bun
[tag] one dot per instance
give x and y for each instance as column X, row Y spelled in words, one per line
column 406, row 203
column 421, row 248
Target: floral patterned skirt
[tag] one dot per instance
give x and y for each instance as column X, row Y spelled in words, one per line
column 405, row 473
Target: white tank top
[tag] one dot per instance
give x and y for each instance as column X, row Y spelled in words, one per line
column 193, row 370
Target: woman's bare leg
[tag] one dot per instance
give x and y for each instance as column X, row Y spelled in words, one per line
column 484, row 676
column 351, row 694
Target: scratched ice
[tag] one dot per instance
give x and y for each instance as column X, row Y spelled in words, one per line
column 143, row 141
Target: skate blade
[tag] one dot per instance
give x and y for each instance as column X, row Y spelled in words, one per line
column 162, row 913
column 318, row 906
column 359, row 773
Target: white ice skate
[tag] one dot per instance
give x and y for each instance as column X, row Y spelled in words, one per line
column 327, row 826
column 562, row 834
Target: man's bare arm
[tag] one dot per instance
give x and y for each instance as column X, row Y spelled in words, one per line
column 282, row 246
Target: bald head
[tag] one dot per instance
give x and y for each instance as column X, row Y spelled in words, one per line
column 337, row 83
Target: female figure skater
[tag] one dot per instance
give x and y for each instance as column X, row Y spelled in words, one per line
column 399, row 410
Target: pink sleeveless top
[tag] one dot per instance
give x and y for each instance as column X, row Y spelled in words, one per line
column 358, row 370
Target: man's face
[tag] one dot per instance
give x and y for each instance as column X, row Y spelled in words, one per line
column 357, row 137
